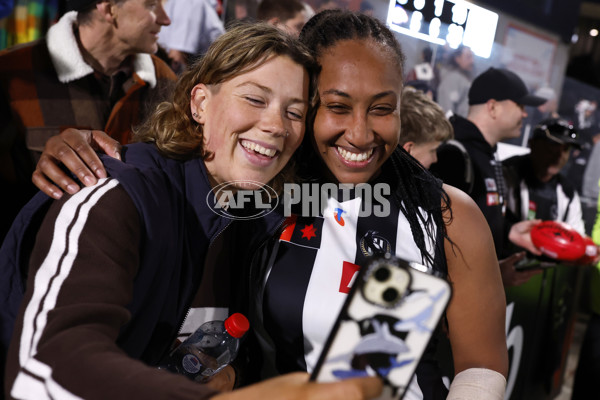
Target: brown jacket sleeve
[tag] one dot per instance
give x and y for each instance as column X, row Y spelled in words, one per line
column 80, row 280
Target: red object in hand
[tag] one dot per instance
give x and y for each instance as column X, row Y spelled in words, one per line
column 558, row 240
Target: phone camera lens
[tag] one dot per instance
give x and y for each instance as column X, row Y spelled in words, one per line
column 390, row 295
column 382, row 274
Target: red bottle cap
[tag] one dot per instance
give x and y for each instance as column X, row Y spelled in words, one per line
column 236, row 325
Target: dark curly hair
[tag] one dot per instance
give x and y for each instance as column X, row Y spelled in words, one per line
column 413, row 187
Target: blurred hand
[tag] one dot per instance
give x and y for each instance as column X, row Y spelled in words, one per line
column 76, row 149
column 592, row 254
column 520, row 235
column 512, row 277
column 224, row 380
column 295, row 386
column 179, row 60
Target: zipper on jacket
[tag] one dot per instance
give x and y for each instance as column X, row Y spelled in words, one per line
column 189, row 301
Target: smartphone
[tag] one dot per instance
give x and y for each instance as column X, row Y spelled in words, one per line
column 535, row 262
column 385, row 324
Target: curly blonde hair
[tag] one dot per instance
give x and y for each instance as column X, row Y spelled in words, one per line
column 244, row 47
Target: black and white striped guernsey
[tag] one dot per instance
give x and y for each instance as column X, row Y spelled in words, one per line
column 314, row 266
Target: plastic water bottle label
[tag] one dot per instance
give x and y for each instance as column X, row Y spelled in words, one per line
column 224, row 358
column 191, row 364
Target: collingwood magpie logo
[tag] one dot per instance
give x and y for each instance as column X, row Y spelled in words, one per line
column 373, row 243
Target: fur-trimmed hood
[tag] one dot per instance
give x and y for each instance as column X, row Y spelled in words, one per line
column 69, row 62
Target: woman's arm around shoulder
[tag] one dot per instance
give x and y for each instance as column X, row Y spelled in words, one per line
column 476, row 313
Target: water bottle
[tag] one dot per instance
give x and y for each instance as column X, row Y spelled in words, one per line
column 209, row 349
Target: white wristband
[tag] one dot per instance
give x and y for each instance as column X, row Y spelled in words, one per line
column 477, row 383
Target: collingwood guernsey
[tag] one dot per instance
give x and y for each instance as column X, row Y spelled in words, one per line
column 314, row 263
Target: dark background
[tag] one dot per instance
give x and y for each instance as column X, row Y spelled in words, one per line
column 559, row 16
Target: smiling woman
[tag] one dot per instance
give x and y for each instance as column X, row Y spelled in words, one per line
column 116, row 266
column 302, row 277
column 245, row 119
column 365, row 107
column 252, row 123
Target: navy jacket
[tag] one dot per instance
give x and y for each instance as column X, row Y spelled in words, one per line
column 177, row 226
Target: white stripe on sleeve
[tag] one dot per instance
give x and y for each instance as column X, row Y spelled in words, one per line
column 48, row 281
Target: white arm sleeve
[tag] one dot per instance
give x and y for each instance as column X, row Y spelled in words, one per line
column 477, row 383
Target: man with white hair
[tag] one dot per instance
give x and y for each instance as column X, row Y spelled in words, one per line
column 94, row 70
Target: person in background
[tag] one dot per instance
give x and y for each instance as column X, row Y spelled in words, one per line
column 587, row 122
column 114, row 268
column 93, row 70
column 366, row 8
column 241, row 10
column 321, row 5
column 422, row 86
column 536, row 114
column 535, row 188
column 289, row 15
column 195, row 25
column 424, row 126
column 454, row 82
column 549, row 109
column 496, row 101
column 423, row 74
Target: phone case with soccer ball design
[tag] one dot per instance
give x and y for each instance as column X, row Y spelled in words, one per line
column 384, row 325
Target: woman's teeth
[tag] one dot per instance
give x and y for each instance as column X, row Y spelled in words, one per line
column 349, row 156
column 259, row 149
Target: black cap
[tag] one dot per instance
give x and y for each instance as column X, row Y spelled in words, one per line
column 557, row 130
column 501, row 84
column 78, row 5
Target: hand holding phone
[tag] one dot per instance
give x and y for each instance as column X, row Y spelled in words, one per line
column 384, row 325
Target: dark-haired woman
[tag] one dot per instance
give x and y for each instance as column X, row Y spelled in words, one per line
column 352, row 138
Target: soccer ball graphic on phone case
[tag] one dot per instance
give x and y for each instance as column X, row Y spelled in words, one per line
column 385, row 325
